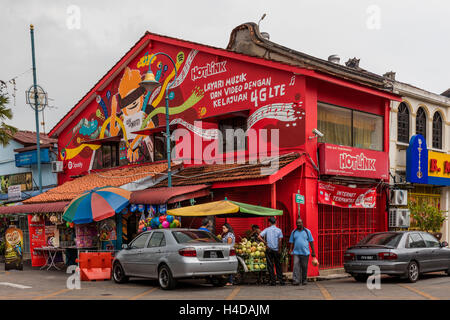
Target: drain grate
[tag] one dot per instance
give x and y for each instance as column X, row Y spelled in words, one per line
column 106, row 294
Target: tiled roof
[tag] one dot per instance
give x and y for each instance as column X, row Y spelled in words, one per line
column 29, row 138
column 113, row 177
column 206, row 174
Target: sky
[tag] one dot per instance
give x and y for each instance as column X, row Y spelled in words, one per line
column 78, row 41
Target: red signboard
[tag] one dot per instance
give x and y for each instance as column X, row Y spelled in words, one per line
column 37, row 240
column 353, row 162
column 346, row 197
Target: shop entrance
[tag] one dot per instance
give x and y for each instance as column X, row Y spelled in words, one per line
column 340, row 228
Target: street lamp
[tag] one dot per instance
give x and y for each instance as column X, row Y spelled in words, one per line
column 150, row 83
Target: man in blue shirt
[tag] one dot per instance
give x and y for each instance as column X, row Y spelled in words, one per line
column 300, row 241
column 206, row 225
column 273, row 236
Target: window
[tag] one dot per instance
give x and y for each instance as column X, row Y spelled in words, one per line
column 194, row 236
column 157, row 240
column 347, row 127
column 109, row 155
column 235, row 139
column 367, row 131
column 139, row 242
column 430, row 241
column 421, row 123
column 384, row 239
column 403, row 123
column 415, row 241
column 437, row 130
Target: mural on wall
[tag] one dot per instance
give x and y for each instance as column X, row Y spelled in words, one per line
column 206, row 86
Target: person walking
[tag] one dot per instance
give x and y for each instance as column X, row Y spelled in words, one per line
column 273, row 236
column 299, row 242
column 229, row 238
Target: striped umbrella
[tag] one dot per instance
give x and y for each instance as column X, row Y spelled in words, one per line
column 96, row 205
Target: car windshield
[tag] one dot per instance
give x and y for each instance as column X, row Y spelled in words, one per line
column 191, row 236
column 382, row 239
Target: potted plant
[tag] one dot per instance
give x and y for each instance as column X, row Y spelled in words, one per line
column 426, row 217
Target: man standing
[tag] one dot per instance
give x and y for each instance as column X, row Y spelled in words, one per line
column 300, row 241
column 206, row 225
column 273, row 236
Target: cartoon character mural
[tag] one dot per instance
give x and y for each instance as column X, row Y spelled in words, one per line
column 206, row 85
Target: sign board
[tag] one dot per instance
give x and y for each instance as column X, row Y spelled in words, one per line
column 30, row 157
column 346, row 197
column 25, row 180
column 354, row 162
column 14, row 193
column 13, row 249
column 299, row 198
column 425, row 166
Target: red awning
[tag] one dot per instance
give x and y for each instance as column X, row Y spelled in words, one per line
column 169, row 195
column 35, row 208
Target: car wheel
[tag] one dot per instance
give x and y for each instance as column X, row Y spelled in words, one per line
column 413, row 271
column 361, row 277
column 219, row 281
column 165, row 278
column 119, row 274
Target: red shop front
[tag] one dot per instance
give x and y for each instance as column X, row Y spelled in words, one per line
column 351, row 199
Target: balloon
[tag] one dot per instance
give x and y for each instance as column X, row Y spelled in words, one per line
column 162, row 219
column 157, row 220
column 149, row 228
column 67, row 224
column 144, row 229
column 72, row 224
column 177, row 222
column 160, row 226
column 165, row 224
column 169, row 219
column 173, row 225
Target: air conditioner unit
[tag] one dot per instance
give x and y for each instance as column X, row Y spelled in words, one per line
column 57, row 166
column 399, row 218
column 399, row 197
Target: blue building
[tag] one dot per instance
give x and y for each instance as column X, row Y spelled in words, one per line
column 19, row 173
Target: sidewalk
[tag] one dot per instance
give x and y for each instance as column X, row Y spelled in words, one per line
column 328, row 274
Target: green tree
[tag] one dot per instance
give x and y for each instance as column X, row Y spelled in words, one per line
column 6, row 131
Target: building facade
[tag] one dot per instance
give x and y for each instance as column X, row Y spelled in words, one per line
column 312, row 129
column 425, row 113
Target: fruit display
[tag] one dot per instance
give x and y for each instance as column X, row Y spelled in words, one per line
column 253, row 253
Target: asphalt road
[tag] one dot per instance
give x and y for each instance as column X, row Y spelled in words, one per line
column 51, row 285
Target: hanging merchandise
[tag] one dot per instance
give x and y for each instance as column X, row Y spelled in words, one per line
column 52, row 236
column 133, row 208
column 107, row 230
column 141, row 208
column 13, row 248
column 153, row 210
column 162, row 209
column 141, row 223
column 86, row 235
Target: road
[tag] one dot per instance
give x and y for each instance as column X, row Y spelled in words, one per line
column 51, row 285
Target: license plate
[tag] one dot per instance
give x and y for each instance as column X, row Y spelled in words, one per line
column 366, row 257
column 212, row 254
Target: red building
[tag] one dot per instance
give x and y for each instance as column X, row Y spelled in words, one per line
column 253, row 84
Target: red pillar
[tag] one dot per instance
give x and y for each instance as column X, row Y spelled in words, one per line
column 310, row 176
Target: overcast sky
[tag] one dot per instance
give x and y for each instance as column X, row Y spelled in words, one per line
column 409, row 37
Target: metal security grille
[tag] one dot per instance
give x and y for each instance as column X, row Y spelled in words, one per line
column 340, row 228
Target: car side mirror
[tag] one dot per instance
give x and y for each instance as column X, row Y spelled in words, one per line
column 125, row 246
column 444, row 244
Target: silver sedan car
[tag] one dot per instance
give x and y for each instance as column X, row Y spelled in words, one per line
column 406, row 254
column 171, row 254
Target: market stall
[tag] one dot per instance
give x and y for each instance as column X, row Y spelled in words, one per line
column 251, row 254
